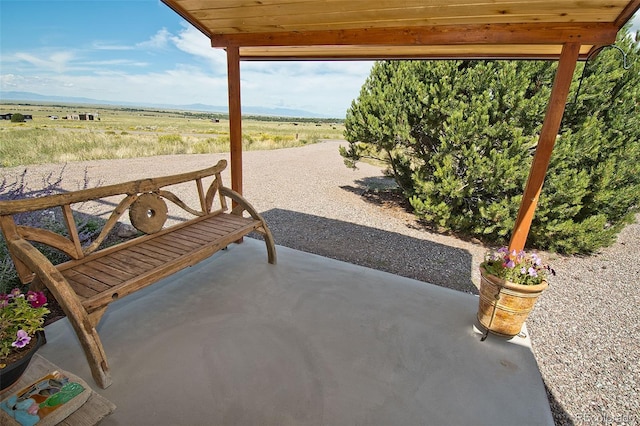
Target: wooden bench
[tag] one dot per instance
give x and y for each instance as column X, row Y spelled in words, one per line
column 96, row 276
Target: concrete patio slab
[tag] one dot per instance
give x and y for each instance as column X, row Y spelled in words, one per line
column 310, row 341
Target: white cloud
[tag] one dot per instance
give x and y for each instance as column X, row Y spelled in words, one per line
column 9, row 81
column 99, row 45
column 57, row 62
column 159, row 40
column 23, row 83
column 193, row 42
column 112, row 62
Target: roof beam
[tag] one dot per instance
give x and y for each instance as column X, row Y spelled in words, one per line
column 547, row 33
column 369, row 52
column 627, row 13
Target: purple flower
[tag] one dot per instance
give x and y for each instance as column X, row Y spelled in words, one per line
column 536, row 259
column 15, row 293
column 517, row 266
column 22, row 340
column 4, row 300
column 36, row 298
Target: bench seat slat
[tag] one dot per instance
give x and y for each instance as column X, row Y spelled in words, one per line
column 208, row 230
column 113, row 271
column 143, row 263
column 122, row 266
column 171, row 251
column 213, row 228
column 160, row 250
column 83, row 285
column 224, row 226
column 82, row 289
column 142, row 258
column 232, row 219
column 154, row 254
column 174, row 243
column 180, row 239
column 194, row 235
column 94, row 271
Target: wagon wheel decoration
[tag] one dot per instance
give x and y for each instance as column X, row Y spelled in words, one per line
column 148, row 213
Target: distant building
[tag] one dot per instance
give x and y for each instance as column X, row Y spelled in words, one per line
column 82, row 116
column 8, row 116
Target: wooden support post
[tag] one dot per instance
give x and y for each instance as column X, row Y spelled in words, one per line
column 548, row 134
column 235, row 117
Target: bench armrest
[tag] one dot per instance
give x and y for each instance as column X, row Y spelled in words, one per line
column 244, row 205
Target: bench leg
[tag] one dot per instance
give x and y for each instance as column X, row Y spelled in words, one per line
column 92, row 346
column 271, row 246
column 36, row 284
column 96, row 316
column 84, row 328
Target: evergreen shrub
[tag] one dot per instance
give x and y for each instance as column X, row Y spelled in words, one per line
column 459, row 137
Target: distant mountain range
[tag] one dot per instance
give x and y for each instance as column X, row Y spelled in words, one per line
column 250, row 110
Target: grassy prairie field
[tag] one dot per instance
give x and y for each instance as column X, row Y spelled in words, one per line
column 121, row 132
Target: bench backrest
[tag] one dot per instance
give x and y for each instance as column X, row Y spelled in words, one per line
column 144, row 199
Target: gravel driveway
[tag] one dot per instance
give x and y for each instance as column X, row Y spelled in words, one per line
column 584, row 330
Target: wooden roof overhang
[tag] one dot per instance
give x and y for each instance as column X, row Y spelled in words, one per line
column 387, row 29
column 563, row 30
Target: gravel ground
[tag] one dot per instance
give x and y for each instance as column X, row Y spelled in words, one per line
column 584, row 333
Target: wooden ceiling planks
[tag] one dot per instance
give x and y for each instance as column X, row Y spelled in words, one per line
column 330, row 12
column 414, row 17
column 282, row 29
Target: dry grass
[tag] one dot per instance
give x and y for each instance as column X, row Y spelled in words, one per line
column 128, row 133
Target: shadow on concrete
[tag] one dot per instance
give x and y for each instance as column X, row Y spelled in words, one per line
column 373, row 248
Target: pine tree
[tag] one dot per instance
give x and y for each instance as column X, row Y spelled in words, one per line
column 593, row 184
column 459, row 136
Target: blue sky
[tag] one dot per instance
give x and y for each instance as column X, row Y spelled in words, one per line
column 142, row 51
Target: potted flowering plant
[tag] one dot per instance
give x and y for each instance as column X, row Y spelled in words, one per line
column 21, row 322
column 511, row 282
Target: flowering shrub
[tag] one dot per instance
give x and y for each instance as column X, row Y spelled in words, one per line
column 517, row 267
column 20, row 317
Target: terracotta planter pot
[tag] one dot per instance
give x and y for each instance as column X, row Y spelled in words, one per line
column 504, row 306
column 12, row 372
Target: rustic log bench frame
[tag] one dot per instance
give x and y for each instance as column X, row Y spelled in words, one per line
column 95, row 277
